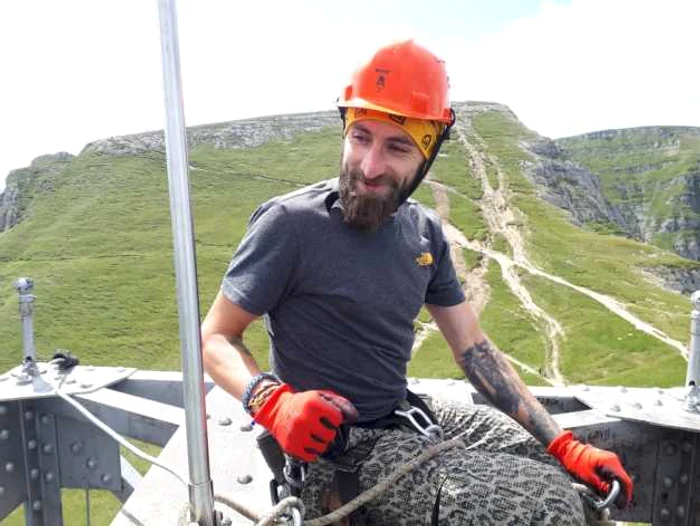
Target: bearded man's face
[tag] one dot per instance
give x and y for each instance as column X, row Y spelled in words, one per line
column 378, row 166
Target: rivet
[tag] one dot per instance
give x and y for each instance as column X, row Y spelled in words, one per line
column 683, row 480
column 121, row 369
column 49, row 476
column 3, row 377
column 70, row 381
column 76, row 447
column 91, row 463
column 664, row 515
column 636, row 405
column 47, row 449
column 585, row 388
column 224, row 421
column 615, row 408
column 31, row 445
column 9, row 467
column 3, row 410
column 450, row 382
column 687, row 447
column 85, row 385
column 414, row 381
column 623, row 389
column 661, row 391
column 244, row 479
column 90, row 368
column 658, row 402
column 2, row 491
column 34, row 474
column 668, row 482
column 28, row 415
column 226, row 521
column 4, row 434
column 106, row 478
column 44, row 419
column 36, row 505
column 671, row 449
column 247, row 427
column 680, row 511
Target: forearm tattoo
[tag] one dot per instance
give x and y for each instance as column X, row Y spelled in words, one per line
column 490, row 373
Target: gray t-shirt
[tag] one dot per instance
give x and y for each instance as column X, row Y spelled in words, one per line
column 340, row 303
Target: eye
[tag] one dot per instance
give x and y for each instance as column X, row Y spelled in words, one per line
column 399, row 148
column 360, row 137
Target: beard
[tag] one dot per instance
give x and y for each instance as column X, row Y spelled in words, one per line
column 367, row 212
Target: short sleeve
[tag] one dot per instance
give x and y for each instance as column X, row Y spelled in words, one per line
column 444, row 288
column 261, row 271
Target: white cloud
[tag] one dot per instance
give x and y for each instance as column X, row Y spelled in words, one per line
column 80, row 70
column 591, row 65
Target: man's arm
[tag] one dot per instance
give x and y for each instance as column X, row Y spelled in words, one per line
column 227, row 360
column 490, row 372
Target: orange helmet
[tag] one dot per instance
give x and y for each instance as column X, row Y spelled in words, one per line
column 403, row 79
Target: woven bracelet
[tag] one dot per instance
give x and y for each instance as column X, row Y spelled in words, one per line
column 248, row 393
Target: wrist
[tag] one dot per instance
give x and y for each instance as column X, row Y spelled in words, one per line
column 256, row 387
column 559, row 446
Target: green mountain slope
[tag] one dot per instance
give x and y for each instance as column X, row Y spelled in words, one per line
column 652, row 175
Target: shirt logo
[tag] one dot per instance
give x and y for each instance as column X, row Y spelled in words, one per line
column 425, row 259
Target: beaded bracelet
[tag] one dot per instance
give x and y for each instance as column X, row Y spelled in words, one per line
column 248, row 393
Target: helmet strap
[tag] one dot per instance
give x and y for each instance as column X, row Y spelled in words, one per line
column 423, row 171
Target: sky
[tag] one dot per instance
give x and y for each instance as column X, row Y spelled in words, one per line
column 75, row 71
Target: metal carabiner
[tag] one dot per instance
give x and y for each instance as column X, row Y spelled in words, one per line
column 430, row 431
column 598, row 504
column 294, row 472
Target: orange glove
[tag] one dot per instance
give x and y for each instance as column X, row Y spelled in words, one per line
column 591, row 466
column 306, row 423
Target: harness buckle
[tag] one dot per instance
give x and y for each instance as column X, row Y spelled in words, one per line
column 427, row 429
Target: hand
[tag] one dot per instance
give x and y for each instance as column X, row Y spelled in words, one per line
column 306, row 423
column 592, row 466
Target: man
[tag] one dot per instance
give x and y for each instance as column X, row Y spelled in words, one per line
column 340, row 271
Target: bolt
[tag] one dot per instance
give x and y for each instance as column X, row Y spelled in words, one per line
column 47, row 449
column 683, row 480
column 28, row 415
column 668, row 482
column 224, row 421
column 2, row 491
column 44, row 419
column 247, row 427
column 636, row 405
column 85, row 385
column 91, row 463
column 615, row 408
column 31, row 445
column 36, row 505
column 671, row 449
column 9, row 467
column 34, row 474
column 49, row 476
column 3, row 410
column 106, row 478
column 680, row 511
column 687, row 447
column 664, row 515
column 76, row 447
column 4, row 434
column 244, row 479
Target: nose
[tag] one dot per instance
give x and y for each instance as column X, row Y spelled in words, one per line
column 373, row 164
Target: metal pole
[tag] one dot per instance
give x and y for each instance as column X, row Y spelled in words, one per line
column 201, row 490
column 26, row 309
column 693, row 374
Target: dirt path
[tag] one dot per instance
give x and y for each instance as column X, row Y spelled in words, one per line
column 502, row 219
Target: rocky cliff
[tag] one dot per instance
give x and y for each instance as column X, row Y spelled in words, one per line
column 23, row 183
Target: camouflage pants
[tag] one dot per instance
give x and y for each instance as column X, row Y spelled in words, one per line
column 504, row 477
